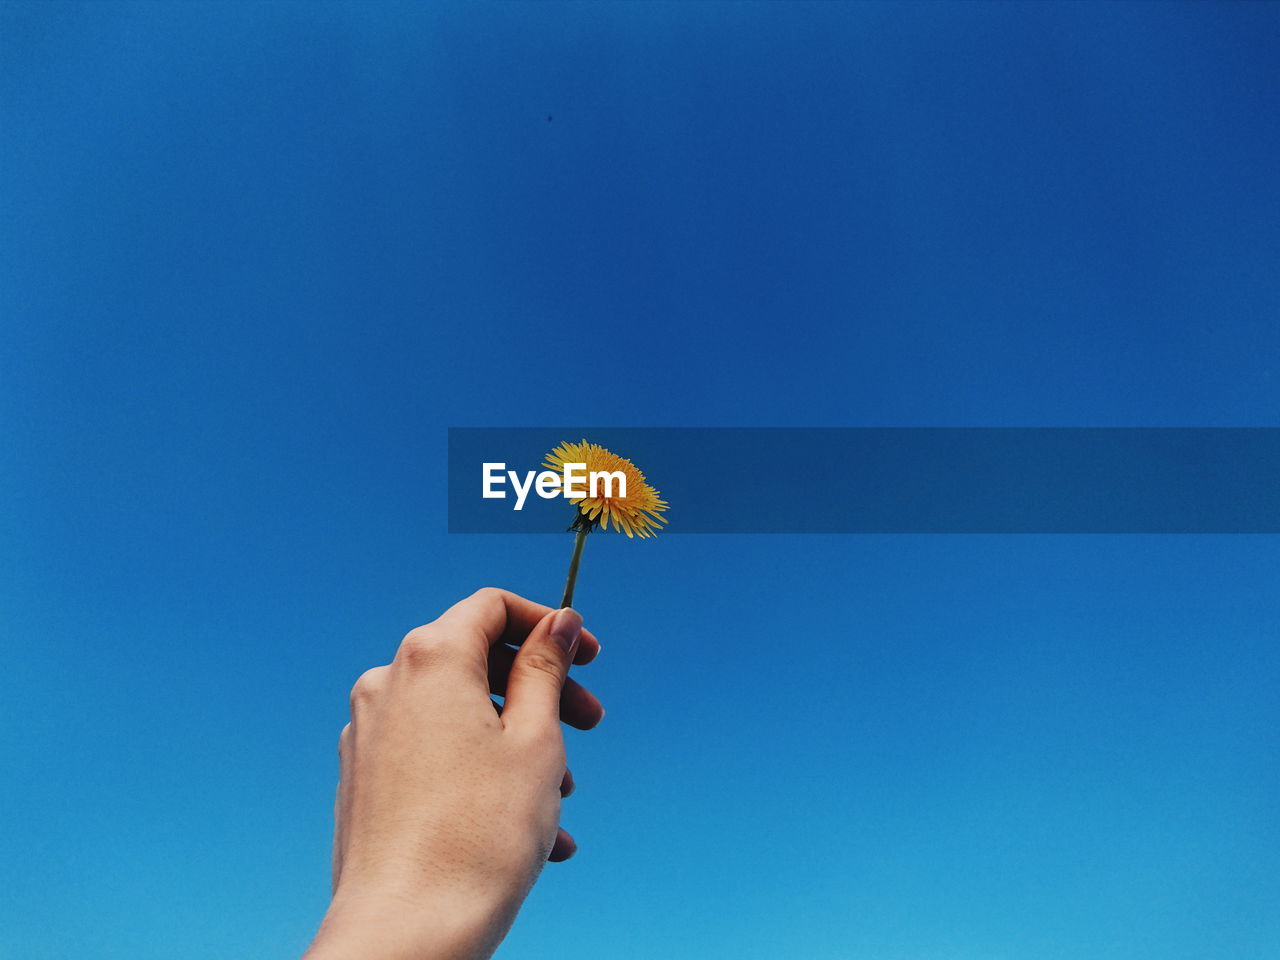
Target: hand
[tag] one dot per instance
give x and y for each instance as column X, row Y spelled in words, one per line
column 447, row 808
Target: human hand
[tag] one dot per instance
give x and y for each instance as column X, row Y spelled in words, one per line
column 447, row 808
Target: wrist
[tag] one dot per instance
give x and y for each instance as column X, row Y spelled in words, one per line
column 390, row 927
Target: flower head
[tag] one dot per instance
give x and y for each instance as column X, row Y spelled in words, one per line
column 637, row 514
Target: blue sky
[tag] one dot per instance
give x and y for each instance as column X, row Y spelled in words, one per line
column 258, row 257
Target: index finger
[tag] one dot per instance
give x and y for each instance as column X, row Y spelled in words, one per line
column 501, row 616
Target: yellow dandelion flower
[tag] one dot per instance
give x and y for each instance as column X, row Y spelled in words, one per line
column 638, row 514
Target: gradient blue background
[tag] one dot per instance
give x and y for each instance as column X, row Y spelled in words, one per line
column 254, row 259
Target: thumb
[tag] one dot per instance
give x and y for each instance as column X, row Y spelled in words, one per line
column 540, row 668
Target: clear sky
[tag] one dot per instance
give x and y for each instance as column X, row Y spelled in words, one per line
column 256, row 258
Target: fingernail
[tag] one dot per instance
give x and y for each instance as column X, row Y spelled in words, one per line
column 566, row 627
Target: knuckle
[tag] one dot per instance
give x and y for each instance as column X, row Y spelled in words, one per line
column 419, row 634
column 367, row 686
column 536, row 662
column 490, row 594
column 344, row 741
column 492, row 599
column 421, row 649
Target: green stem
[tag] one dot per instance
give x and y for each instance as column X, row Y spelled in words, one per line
column 578, row 541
